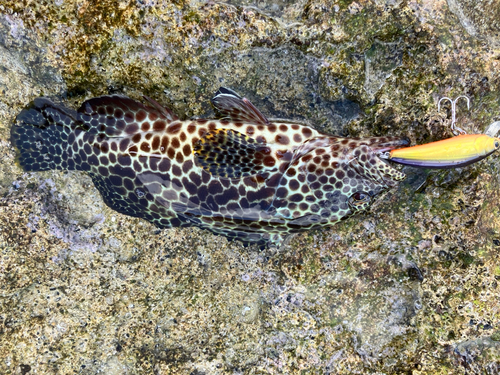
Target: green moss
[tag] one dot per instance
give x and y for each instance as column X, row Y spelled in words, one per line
column 495, row 336
column 465, row 258
column 334, row 322
column 371, row 23
column 497, row 271
column 192, row 16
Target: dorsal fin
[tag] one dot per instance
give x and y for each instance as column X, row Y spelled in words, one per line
column 165, row 111
column 228, row 153
column 93, row 105
column 229, row 105
column 117, row 115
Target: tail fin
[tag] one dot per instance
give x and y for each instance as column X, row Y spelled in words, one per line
column 41, row 134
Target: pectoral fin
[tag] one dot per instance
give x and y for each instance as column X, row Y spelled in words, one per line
column 228, row 153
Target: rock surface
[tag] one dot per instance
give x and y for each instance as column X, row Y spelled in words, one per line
column 410, row 287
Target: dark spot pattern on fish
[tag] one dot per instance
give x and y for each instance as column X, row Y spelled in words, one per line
column 240, row 176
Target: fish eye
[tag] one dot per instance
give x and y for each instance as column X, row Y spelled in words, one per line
column 497, row 144
column 359, row 198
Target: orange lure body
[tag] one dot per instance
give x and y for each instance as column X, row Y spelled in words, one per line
column 453, row 152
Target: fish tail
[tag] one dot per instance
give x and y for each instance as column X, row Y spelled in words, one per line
column 43, row 134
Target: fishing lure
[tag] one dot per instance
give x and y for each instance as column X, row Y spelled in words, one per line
column 459, row 151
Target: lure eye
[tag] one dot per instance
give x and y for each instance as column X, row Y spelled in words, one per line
column 497, row 144
column 359, row 198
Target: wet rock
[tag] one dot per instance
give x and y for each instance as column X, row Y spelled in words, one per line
column 469, row 353
column 277, row 70
column 479, row 19
column 26, row 72
column 73, row 200
column 409, row 287
column 380, row 61
column 280, row 8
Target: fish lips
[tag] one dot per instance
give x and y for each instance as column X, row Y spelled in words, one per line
column 382, row 149
column 390, row 145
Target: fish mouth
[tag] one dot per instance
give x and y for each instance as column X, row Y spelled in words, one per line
column 386, row 175
column 390, row 144
column 382, row 149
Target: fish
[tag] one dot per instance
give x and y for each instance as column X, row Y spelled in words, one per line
column 239, row 175
column 459, row 151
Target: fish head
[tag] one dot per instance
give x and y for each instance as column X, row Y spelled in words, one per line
column 367, row 175
column 342, row 176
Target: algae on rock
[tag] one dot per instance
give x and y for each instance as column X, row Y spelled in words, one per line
column 409, row 287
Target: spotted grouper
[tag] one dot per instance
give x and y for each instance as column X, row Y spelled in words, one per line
column 240, row 175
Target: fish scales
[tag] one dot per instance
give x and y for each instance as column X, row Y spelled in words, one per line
column 241, row 175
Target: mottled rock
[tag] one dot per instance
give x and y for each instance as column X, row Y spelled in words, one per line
column 410, row 287
column 480, row 19
column 380, row 61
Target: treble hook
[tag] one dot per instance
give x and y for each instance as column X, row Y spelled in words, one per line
column 455, row 129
